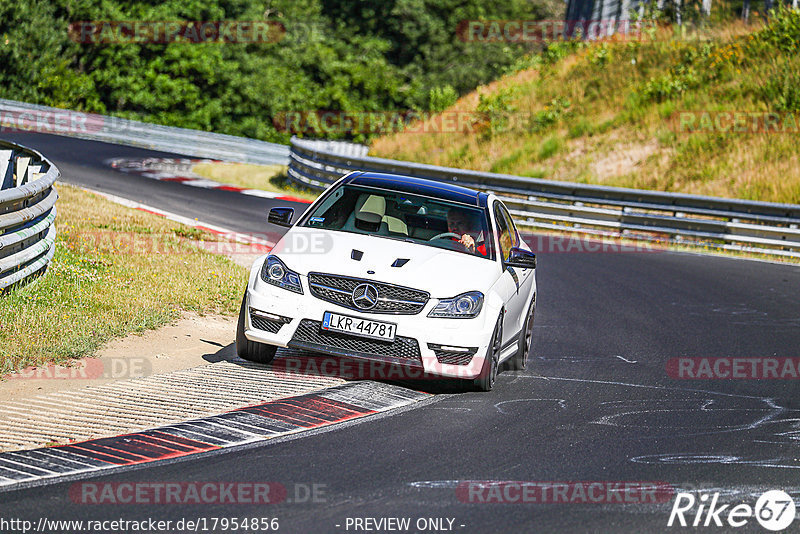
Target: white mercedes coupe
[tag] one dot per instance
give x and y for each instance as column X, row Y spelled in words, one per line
column 424, row 275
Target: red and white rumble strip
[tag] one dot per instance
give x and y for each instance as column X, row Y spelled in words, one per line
column 180, row 170
column 238, row 427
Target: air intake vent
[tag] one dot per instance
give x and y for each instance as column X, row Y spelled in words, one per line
column 310, row 336
column 399, row 262
column 267, row 321
column 453, row 355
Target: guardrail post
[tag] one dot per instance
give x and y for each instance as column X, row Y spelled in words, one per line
column 33, row 173
column 6, row 169
column 22, row 170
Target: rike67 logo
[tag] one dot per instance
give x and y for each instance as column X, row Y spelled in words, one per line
column 774, row 510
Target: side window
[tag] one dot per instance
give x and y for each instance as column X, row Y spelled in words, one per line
column 503, row 231
column 511, row 226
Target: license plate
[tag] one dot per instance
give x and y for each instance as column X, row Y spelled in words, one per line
column 358, row 327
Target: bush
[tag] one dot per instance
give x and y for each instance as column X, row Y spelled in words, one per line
column 497, row 108
column 781, row 92
column 441, row 98
column 670, row 85
column 599, row 56
column 783, row 30
column 555, row 52
column 552, row 113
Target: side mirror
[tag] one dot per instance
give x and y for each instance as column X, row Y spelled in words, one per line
column 281, row 216
column 524, row 259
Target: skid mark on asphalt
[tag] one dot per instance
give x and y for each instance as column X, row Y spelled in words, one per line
column 757, row 419
column 640, row 414
column 238, row 427
column 583, row 358
column 740, row 314
column 500, row 406
column 693, row 458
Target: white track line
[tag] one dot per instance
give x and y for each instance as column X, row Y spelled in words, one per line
column 194, row 223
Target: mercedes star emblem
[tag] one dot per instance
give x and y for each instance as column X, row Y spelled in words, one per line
column 365, row 296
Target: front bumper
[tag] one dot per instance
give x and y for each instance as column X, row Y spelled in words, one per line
column 299, row 328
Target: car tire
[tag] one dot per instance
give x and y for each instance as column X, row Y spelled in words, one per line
column 485, row 381
column 520, row 359
column 251, row 350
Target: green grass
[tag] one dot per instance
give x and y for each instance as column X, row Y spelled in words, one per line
column 116, row 271
column 549, row 147
column 609, row 113
column 265, row 177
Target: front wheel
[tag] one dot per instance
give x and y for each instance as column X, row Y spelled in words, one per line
column 251, row 350
column 520, row 359
column 485, row 381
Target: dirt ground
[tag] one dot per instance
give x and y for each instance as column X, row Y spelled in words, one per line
column 189, row 342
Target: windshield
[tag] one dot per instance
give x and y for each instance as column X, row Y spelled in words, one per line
column 398, row 215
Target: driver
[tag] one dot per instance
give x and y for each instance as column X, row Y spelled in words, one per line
column 463, row 223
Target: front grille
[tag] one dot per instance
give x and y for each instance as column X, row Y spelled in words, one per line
column 391, row 298
column 309, row 335
column 453, row 358
column 262, row 323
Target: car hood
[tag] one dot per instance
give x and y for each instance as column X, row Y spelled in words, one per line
column 443, row 273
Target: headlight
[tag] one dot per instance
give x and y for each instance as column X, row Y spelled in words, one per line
column 276, row 273
column 464, row 306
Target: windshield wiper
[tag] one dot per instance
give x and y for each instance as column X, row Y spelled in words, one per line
column 396, row 238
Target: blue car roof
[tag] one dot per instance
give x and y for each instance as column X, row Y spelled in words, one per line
column 419, row 186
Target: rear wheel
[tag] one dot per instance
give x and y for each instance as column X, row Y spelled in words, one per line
column 520, row 359
column 485, row 382
column 251, row 350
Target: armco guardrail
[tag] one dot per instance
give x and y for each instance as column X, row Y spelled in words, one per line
column 27, row 211
column 764, row 227
column 19, row 116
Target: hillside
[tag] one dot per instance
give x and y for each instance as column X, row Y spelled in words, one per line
column 712, row 114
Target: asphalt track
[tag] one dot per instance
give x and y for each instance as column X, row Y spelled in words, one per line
column 595, row 404
column 82, row 163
